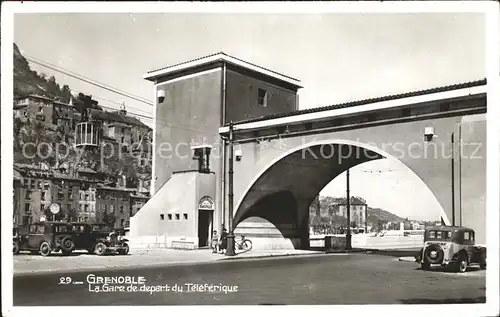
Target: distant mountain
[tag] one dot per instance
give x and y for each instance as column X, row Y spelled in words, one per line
column 27, row 81
column 380, row 215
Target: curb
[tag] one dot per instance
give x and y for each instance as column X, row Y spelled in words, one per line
column 116, row 268
column 269, row 256
column 345, row 251
column 150, row 265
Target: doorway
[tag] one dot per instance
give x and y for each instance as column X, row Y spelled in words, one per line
column 204, row 225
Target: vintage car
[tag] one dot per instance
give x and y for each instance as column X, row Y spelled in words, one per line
column 44, row 238
column 450, row 246
column 86, row 235
column 113, row 243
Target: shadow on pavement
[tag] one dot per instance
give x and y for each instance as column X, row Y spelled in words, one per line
column 52, row 255
column 448, row 269
column 395, row 253
column 477, row 300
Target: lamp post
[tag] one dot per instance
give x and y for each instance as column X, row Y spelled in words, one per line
column 452, row 180
column 230, row 236
column 348, row 245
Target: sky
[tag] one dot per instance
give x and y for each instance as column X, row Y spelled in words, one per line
column 337, row 57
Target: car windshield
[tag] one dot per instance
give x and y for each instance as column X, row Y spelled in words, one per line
column 79, row 229
column 100, row 228
column 61, row 229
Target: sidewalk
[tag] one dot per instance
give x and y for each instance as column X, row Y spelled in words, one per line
column 26, row 264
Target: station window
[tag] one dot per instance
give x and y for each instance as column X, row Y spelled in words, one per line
column 169, row 216
column 177, row 216
column 185, row 216
column 162, row 216
column 262, row 97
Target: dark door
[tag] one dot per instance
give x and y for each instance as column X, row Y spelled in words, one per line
column 203, row 227
column 36, row 235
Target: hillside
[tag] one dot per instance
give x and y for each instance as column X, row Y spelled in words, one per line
column 377, row 214
column 27, row 81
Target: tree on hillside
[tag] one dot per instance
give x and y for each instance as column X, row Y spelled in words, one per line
column 53, row 87
column 65, row 94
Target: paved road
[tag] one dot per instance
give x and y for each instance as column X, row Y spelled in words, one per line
column 320, row 279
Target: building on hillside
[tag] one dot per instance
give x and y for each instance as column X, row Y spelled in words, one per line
column 47, row 110
column 118, row 125
column 31, row 106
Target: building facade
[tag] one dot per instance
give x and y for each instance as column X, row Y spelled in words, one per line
column 193, row 100
column 82, row 197
column 359, row 214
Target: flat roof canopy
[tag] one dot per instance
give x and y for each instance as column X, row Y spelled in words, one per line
column 475, row 88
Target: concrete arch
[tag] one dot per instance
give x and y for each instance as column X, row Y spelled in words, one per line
column 267, row 181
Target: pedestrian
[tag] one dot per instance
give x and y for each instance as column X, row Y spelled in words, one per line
column 223, row 241
column 215, row 242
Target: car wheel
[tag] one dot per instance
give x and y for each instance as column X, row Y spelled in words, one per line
column 100, row 248
column 462, row 264
column 125, row 249
column 482, row 266
column 67, row 246
column 45, row 249
column 15, row 248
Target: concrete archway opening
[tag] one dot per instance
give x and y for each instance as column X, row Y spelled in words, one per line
column 274, row 212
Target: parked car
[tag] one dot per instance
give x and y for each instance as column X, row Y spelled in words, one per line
column 450, row 246
column 113, row 243
column 44, row 238
column 87, row 235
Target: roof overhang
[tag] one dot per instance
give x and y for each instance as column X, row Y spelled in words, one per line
column 220, row 57
column 321, row 115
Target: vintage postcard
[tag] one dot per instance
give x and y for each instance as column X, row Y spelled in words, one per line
column 339, row 157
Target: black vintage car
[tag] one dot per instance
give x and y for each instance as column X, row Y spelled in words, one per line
column 86, row 235
column 450, row 246
column 44, row 237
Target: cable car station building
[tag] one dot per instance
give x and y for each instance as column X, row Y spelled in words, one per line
column 283, row 156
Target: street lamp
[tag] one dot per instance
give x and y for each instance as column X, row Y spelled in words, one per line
column 230, row 236
column 348, row 244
